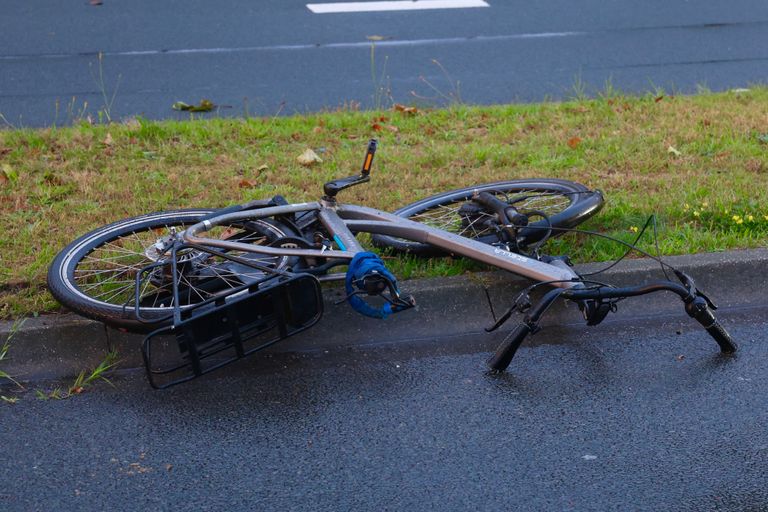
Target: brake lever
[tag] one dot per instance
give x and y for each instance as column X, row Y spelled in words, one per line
column 522, row 304
column 690, row 284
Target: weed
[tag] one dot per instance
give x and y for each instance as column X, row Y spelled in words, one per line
column 7, row 122
column 108, row 101
column 83, row 381
column 451, row 97
column 579, row 89
column 56, row 394
column 17, row 324
column 382, row 88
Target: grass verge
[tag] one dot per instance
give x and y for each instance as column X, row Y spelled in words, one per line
column 700, row 163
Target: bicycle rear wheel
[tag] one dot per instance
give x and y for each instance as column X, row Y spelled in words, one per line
column 95, row 276
column 566, row 204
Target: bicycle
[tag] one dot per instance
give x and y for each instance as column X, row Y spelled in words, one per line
column 227, row 283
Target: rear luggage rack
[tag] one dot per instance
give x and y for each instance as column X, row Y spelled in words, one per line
column 230, row 326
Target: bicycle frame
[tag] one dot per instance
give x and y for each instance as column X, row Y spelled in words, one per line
column 342, row 221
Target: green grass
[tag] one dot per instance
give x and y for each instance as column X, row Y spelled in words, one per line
column 649, row 154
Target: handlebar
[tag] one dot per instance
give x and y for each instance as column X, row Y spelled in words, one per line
column 697, row 305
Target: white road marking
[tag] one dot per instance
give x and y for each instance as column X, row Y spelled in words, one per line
column 396, row 5
column 294, row 47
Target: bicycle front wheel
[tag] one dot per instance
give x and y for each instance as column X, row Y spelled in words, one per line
column 565, row 204
column 95, row 276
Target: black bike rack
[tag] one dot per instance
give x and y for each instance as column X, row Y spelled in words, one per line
column 221, row 330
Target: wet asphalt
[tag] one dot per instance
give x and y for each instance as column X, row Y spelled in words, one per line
column 627, row 416
column 274, row 57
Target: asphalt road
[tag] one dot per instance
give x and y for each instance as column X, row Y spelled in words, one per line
column 276, row 57
column 621, row 417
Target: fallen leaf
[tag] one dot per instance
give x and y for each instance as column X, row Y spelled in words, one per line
column 308, row 158
column 9, row 173
column 574, row 142
column 658, row 98
column 317, row 129
column 204, row 106
column 245, row 184
column 376, row 127
column 262, row 167
column 108, row 140
column 673, row 150
column 405, row 110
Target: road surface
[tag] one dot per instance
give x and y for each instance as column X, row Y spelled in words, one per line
column 273, row 57
column 626, row 416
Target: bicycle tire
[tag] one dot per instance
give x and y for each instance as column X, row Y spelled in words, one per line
column 573, row 203
column 124, row 245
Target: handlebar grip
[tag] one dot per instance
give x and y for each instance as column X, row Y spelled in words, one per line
column 700, row 311
column 499, row 361
column 721, row 336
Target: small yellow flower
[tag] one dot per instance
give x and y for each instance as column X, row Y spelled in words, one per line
column 704, row 205
column 736, row 219
column 765, row 217
column 750, row 218
column 686, row 206
column 634, row 229
column 696, row 213
column 740, row 221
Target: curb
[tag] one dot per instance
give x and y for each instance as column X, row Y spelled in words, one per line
column 451, row 308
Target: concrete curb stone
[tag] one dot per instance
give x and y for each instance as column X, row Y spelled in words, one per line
column 450, row 308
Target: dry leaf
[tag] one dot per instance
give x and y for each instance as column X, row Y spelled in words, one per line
column 673, row 151
column 308, row 158
column 8, row 173
column 376, row 127
column 658, row 98
column 405, row 110
column 245, row 184
column 262, row 168
column 108, row 140
column 574, row 142
column 317, row 129
column 205, row 105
